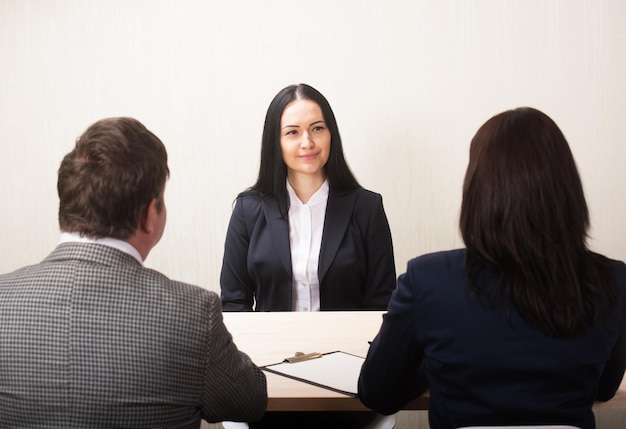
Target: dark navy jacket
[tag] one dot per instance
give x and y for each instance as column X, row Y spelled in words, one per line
column 487, row 366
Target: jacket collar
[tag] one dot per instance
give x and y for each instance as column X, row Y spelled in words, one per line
column 122, row 245
column 338, row 213
column 279, row 226
column 91, row 252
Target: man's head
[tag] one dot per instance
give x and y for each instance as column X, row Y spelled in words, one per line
column 111, row 181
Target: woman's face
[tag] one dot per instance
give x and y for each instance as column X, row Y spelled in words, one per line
column 304, row 138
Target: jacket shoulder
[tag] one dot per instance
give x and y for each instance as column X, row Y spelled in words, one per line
column 250, row 202
column 368, row 197
column 448, row 260
column 183, row 294
column 359, row 198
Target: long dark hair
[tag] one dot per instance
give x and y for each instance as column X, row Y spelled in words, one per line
column 524, row 214
column 272, row 169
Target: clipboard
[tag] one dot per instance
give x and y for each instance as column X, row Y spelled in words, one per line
column 337, row 371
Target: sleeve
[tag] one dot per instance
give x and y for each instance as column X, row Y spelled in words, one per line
column 390, row 376
column 237, row 291
column 613, row 373
column 234, row 388
column 381, row 275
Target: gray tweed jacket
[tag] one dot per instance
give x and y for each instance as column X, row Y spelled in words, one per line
column 89, row 338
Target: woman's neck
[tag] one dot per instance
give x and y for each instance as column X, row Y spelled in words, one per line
column 305, row 185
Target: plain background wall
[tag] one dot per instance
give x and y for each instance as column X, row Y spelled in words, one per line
column 410, row 82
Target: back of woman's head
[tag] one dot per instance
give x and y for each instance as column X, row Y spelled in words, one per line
column 524, row 214
column 272, row 169
column 522, row 191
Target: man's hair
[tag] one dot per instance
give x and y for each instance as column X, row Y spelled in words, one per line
column 524, row 214
column 106, row 183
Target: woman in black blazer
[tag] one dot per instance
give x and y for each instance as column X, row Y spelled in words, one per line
column 348, row 262
column 306, row 236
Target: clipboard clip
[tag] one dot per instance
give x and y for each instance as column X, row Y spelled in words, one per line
column 301, row 357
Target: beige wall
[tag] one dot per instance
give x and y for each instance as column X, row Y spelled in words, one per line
column 410, row 82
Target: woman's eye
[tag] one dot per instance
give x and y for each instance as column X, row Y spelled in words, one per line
column 291, row 133
column 318, row 128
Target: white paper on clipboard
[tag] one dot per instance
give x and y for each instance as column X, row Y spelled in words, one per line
column 338, row 371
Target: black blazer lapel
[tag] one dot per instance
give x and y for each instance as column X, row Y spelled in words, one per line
column 338, row 214
column 279, row 228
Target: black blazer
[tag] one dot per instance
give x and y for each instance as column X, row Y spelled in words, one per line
column 356, row 264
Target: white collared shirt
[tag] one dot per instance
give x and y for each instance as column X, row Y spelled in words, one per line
column 68, row 237
column 306, row 224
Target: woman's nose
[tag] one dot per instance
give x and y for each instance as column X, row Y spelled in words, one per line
column 307, row 140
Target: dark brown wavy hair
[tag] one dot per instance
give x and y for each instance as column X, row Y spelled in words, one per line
column 107, row 181
column 524, row 214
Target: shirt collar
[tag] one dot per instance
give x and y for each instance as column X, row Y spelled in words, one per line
column 319, row 196
column 124, row 246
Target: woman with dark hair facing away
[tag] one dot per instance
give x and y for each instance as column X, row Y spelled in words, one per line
column 526, row 325
column 306, row 236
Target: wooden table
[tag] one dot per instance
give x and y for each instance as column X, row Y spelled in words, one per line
column 272, row 336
